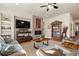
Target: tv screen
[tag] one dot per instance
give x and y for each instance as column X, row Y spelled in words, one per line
column 22, row 24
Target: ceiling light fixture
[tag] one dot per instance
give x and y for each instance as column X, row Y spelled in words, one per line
column 49, row 6
column 17, row 3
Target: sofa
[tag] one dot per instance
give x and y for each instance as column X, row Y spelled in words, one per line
column 67, row 51
column 70, row 44
column 12, row 44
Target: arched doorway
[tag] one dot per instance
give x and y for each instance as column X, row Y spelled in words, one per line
column 56, row 32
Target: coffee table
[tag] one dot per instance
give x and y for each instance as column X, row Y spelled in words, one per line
column 40, row 40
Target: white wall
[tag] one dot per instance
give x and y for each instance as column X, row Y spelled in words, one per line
column 74, row 26
column 0, row 24
column 65, row 18
column 71, row 26
column 13, row 13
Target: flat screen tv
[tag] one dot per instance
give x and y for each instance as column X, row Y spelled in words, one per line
column 22, row 24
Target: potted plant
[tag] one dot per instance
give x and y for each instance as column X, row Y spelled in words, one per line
column 42, row 36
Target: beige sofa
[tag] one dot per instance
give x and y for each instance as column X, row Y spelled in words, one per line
column 66, row 51
column 20, row 50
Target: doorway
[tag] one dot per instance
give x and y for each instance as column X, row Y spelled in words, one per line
column 56, row 30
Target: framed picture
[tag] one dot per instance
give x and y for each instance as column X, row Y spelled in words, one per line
column 38, row 23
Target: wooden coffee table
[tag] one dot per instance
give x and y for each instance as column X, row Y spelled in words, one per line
column 40, row 40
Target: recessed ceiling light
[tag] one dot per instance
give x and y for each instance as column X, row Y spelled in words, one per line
column 17, row 3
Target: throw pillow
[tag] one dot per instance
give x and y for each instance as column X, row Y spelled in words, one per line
column 0, row 46
column 2, row 40
column 7, row 49
column 53, row 52
column 8, row 40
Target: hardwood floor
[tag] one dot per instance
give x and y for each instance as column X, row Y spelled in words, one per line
column 31, row 51
column 28, row 47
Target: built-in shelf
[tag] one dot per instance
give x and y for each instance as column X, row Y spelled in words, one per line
column 5, row 26
column 56, row 30
column 23, row 35
column 5, row 21
column 6, row 34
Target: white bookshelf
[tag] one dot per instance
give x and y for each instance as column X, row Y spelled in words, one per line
column 6, row 27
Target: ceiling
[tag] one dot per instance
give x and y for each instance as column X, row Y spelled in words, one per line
column 34, row 9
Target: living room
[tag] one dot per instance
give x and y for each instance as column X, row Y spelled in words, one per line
column 33, row 27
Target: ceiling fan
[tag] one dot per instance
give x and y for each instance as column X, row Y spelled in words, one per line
column 50, row 5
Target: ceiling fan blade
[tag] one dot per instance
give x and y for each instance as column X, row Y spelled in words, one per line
column 54, row 3
column 50, row 3
column 47, row 9
column 56, row 7
column 44, row 6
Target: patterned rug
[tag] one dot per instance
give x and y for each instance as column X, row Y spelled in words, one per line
column 31, row 51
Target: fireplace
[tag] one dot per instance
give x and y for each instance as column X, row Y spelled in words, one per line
column 38, row 32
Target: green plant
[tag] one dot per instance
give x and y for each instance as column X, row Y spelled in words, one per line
column 42, row 36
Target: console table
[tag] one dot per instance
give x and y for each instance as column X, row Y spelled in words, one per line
column 23, row 36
